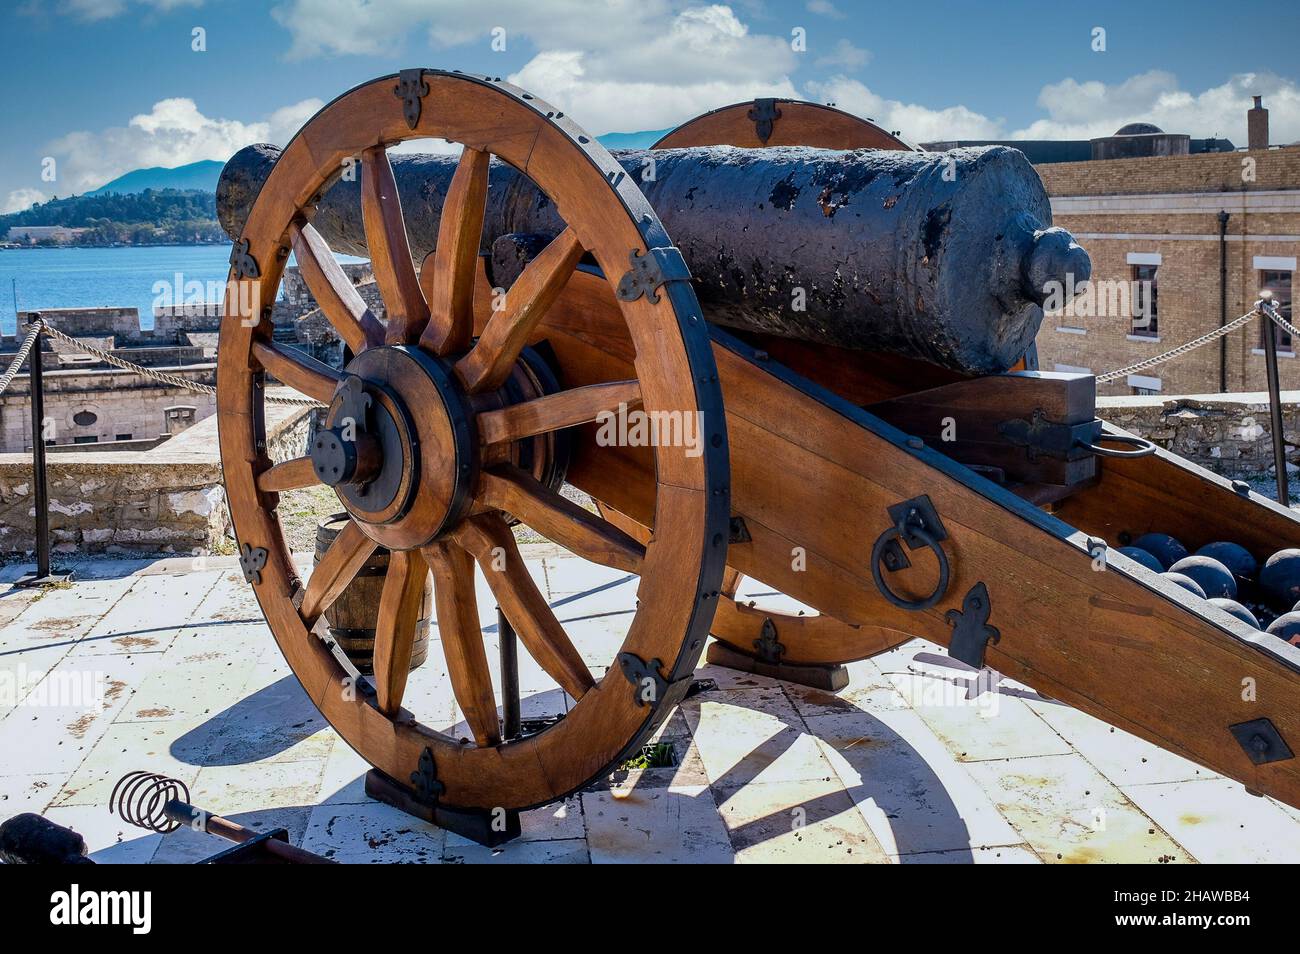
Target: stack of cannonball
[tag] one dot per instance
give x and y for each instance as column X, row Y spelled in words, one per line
column 1226, row 574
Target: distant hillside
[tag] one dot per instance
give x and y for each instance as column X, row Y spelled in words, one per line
column 632, row 140
column 152, row 217
column 201, row 176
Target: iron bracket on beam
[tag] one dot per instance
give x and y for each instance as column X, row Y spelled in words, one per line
column 1041, row 437
column 1261, row 741
column 971, row 632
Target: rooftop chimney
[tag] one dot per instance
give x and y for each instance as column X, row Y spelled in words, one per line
column 1257, row 125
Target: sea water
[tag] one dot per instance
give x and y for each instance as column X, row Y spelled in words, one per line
column 139, row 276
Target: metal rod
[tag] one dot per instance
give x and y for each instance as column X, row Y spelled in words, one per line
column 1223, row 299
column 510, row 714
column 1275, row 408
column 37, row 383
column 187, row 815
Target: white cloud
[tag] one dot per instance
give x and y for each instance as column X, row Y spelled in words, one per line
column 705, row 59
column 824, row 8
column 173, row 133
column 92, row 10
column 846, row 55
column 1086, row 110
column 914, row 122
column 20, row 199
column 1090, row 109
column 626, row 106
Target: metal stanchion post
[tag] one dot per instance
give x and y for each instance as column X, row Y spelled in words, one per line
column 40, row 489
column 1274, row 399
column 510, row 707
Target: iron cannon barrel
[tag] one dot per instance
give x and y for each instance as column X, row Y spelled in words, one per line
column 945, row 257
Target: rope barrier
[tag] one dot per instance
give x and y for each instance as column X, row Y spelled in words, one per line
column 40, row 326
column 12, row 371
column 1183, row 348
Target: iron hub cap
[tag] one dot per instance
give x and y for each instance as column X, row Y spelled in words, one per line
column 397, row 446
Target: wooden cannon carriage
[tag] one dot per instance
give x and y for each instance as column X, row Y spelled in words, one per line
column 895, row 497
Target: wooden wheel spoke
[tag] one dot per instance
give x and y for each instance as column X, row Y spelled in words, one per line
column 491, row 542
column 338, row 299
column 560, row 520
column 526, row 303
column 290, row 475
column 336, row 569
column 556, row 411
column 390, row 252
column 399, row 613
column 462, row 639
column 299, row 370
column 448, row 272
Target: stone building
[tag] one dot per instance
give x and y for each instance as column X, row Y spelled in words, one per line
column 88, row 401
column 1190, row 236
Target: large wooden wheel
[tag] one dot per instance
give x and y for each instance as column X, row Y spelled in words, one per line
column 780, row 122
column 433, row 439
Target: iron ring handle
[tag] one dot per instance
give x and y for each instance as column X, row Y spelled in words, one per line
column 878, row 550
column 1144, row 446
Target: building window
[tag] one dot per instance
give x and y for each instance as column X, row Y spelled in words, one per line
column 85, row 418
column 123, row 437
column 1279, row 283
column 1145, row 315
column 92, row 439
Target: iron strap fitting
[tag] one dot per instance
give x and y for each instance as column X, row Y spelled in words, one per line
column 1043, row 438
column 649, row 271
column 917, row 524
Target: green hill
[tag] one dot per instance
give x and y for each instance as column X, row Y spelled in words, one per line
column 201, row 176
column 151, row 217
column 632, row 140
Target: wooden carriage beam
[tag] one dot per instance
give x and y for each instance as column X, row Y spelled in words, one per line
column 813, row 478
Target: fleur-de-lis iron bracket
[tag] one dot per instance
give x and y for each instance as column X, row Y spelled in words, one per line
column 971, row 632
column 425, row 779
column 242, row 261
column 651, row 270
column 643, row 675
column 411, row 90
column 769, row 648
column 764, row 114
column 252, row 560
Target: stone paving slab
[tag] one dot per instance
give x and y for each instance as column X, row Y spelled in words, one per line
column 907, row 765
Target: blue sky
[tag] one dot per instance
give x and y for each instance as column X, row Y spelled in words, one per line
column 105, row 86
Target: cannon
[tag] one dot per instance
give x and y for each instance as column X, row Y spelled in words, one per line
column 898, row 486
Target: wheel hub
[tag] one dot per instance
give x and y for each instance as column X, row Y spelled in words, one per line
column 398, row 446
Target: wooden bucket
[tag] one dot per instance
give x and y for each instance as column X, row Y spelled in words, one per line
column 353, row 616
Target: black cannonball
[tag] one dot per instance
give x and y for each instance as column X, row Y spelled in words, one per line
column 1138, row 555
column 1186, row 582
column 1233, row 608
column 1212, row 576
column 1232, row 555
column 1161, row 546
column 1280, row 577
column 1287, row 626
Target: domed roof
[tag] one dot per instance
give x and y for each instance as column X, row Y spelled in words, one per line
column 1138, row 129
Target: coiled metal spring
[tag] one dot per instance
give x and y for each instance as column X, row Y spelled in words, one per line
column 141, row 798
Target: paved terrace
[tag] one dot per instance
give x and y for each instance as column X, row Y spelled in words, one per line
column 900, row 767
